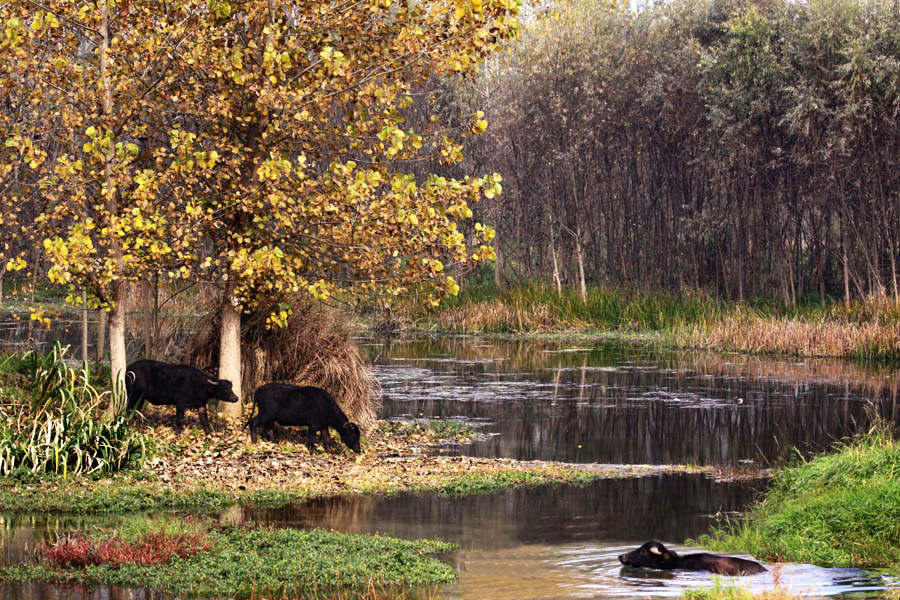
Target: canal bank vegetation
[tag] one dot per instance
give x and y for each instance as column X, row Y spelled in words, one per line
column 89, row 456
column 864, row 329
column 836, row 510
column 207, row 559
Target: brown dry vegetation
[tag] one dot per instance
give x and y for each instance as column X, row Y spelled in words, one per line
column 394, row 458
column 747, row 332
column 499, row 316
column 314, row 348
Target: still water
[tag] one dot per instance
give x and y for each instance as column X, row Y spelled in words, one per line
column 585, row 403
column 614, row 403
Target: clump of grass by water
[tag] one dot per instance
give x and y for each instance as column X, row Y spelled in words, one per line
column 837, row 510
column 735, row 592
column 540, row 308
column 824, row 335
column 63, row 425
column 252, row 562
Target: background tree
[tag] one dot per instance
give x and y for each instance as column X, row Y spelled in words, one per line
column 744, row 149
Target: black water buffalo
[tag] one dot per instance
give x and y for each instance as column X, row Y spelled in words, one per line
column 307, row 406
column 180, row 385
column 654, row 555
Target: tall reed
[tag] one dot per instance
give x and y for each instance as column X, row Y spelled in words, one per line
column 66, row 425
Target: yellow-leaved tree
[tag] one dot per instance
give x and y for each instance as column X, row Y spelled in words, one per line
column 290, row 149
column 260, row 144
column 89, row 77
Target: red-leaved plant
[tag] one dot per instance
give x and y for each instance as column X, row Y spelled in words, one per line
column 77, row 550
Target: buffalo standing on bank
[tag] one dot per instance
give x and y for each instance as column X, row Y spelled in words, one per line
column 181, row 386
column 303, row 406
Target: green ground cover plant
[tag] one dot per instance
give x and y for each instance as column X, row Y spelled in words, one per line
column 837, row 510
column 240, row 561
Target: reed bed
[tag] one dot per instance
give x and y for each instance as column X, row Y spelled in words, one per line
column 497, row 316
column 746, row 331
column 315, row 347
column 540, row 308
column 66, row 426
column 867, row 329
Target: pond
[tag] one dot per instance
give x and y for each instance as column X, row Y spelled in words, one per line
column 616, row 403
column 581, row 403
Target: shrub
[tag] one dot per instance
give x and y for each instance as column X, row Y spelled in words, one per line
column 62, row 429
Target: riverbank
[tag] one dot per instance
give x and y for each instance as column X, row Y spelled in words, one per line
column 196, row 472
column 837, row 510
column 867, row 329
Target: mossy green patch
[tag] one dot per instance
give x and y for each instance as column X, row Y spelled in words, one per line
column 245, row 562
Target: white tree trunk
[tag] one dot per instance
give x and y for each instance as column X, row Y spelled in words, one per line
column 117, row 359
column 579, row 256
column 230, row 351
column 84, row 329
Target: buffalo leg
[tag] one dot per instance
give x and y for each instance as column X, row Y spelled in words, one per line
column 179, row 418
column 204, row 419
column 326, row 439
column 252, row 424
column 311, row 440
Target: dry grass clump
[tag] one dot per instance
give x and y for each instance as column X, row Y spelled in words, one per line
column 496, row 316
column 315, row 347
column 747, row 332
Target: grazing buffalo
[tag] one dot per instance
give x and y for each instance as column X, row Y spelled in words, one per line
column 180, row 385
column 654, row 555
column 307, row 406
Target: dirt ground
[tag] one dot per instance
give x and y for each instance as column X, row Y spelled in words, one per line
column 396, row 456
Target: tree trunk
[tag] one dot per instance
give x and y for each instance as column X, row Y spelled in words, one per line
column 117, row 359
column 230, row 350
column 846, row 264
column 556, row 277
column 579, row 256
column 497, row 266
column 84, row 328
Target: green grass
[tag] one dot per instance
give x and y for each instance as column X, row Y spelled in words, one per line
column 603, row 308
column 246, row 562
column 837, row 510
column 98, row 496
column 128, row 493
column 57, row 421
column 466, row 485
column 735, row 592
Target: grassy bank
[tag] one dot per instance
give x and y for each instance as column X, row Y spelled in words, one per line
column 735, row 592
column 239, row 561
column 837, row 510
column 867, row 329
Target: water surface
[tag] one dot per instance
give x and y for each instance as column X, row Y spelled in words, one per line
column 614, row 403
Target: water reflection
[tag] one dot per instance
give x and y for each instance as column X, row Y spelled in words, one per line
column 615, row 403
column 668, row 506
column 547, row 542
